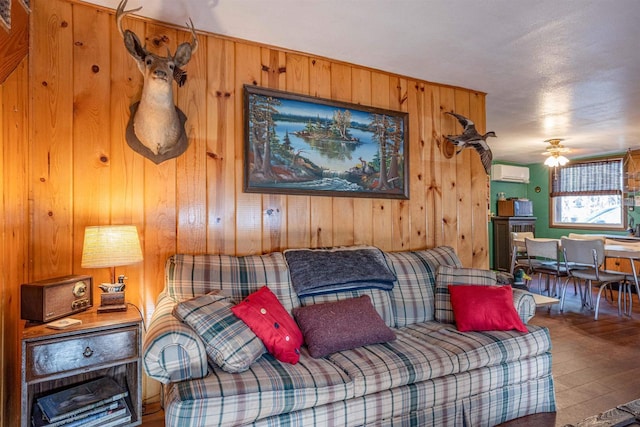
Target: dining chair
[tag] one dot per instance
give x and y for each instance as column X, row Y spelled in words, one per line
column 544, row 259
column 518, row 254
column 583, row 261
column 579, row 236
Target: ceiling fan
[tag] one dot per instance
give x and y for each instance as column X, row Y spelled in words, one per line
column 555, row 151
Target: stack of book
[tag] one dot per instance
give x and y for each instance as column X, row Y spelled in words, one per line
column 100, row 402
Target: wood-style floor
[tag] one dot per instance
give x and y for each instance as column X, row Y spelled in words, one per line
column 596, row 364
column 154, row 415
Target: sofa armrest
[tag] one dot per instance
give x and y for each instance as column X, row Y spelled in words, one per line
column 525, row 304
column 171, row 350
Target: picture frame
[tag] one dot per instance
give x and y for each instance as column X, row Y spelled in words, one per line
column 298, row 144
column 5, row 14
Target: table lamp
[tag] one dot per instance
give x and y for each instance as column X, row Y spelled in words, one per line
column 111, row 246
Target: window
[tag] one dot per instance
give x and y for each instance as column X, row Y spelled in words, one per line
column 588, row 195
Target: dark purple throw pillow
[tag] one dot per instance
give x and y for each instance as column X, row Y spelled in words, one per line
column 341, row 325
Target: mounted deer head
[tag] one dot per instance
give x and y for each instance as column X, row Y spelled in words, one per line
column 156, row 125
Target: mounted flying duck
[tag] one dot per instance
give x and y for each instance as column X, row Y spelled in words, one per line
column 471, row 138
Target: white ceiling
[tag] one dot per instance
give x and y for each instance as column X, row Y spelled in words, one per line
column 551, row 68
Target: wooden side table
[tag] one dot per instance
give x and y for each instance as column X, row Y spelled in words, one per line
column 543, row 301
column 105, row 344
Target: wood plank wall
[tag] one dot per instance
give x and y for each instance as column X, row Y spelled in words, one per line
column 14, row 223
column 14, row 42
column 81, row 171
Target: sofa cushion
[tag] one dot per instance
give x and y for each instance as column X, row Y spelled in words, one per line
column 268, row 319
column 448, row 275
column 431, row 350
column 486, row 348
column 267, row 388
column 484, row 308
column 189, row 276
column 341, row 325
column 229, row 342
column 380, row 299
column 384, row 366
column 412, row 298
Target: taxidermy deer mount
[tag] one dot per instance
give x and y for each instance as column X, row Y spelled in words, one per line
column 156, row 125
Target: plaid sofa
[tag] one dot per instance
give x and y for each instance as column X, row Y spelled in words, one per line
column 432, row 374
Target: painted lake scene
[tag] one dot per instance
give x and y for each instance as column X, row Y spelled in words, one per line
column 303, row 145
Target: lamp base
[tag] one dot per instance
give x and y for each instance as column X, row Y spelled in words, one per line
column 112, row 308
column 112, row 301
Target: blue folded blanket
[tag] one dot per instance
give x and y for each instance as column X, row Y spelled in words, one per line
column 321, row 271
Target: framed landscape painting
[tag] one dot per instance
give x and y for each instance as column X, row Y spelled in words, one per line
column 296, row 144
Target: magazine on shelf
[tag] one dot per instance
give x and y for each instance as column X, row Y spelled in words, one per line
column 116, row 421
column 38, row 419
column 83, row 397
column 94, row 417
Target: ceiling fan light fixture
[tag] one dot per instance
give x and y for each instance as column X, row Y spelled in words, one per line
column 556, row 160
column 554, row 151
column 551, row 162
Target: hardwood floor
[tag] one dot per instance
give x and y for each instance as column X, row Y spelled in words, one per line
column 153, row 415
column 596, row 364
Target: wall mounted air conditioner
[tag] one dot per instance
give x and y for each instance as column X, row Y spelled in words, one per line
column 510, row 173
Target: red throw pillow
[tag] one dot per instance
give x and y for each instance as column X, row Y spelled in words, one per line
column 484, row 308
column 269, row 320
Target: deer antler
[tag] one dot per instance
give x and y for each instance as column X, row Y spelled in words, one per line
column 194, row 42
column 186, row 50
column 121, row 13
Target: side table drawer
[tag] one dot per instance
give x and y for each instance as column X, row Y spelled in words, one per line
column 91, row 350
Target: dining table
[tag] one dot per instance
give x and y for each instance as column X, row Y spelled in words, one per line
column 612, row 249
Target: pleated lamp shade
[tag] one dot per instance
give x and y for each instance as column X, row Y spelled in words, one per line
column 110, row 246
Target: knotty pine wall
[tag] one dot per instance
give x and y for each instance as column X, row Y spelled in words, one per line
column 14, row 229
column 14, row 42
column 80, row 171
